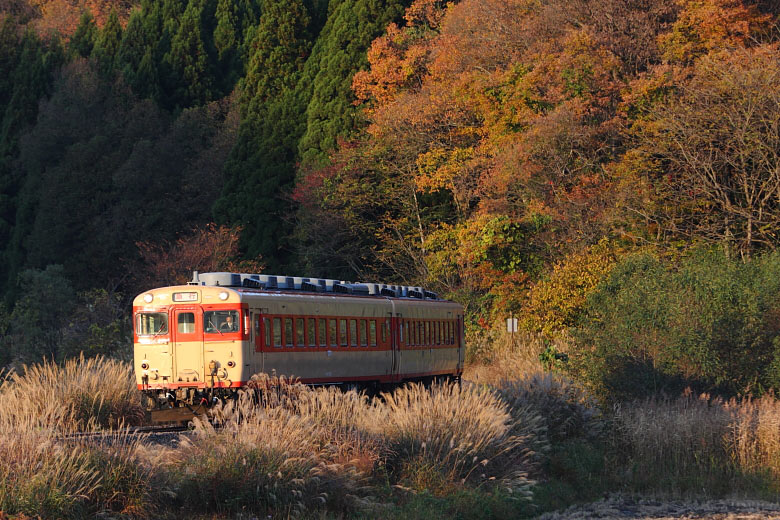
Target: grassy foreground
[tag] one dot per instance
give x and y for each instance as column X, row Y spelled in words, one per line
column 504, row 448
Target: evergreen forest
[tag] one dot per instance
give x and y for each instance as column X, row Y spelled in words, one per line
column 608, row 172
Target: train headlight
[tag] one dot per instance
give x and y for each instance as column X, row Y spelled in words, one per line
column 231, row 364
column 144, row 365
column 148, row 298
column 223, row 295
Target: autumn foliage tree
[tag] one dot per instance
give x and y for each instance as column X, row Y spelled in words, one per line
column 208, row 248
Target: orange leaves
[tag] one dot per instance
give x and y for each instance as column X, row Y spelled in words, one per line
column 706, row 25
column 209, row 248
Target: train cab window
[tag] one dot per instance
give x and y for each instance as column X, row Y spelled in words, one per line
column 372, row 332
column 151, row 323
column 343, row 333
column 300, row 337
column 220, row 322
column 186, row 323
column 288, row 332
column 333, row 333
column 311, row 332
column 353, row 337
column 322, row 336
column 277, row 332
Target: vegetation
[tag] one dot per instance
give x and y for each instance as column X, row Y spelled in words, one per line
column 606, row 172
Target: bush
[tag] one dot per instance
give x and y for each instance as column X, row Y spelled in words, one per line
column 710, row 324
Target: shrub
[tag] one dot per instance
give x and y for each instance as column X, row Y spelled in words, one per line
column 710, row 324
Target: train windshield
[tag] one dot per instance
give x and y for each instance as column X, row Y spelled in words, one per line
column 219, row 322
column 151, row 323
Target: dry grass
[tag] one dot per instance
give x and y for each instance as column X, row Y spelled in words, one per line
column 507, row 357
column 701, row 445
column 267, row 459
column 458, row 433
column 753, row 436
column 567, row 409
column 54, row 477
column 78, row 395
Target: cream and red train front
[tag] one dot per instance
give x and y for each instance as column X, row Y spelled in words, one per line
column 190, row 343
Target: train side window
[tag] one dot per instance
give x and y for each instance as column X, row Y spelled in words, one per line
column 343, row 333
column 384, row 331
column 311, row 332
column 300, row 336
column 405, row 325
column 421, row 333
column 186, row 322
column 372, row 332
column 333, row 333
column 277, row 330
column 438, row 333
column 353, row 337
column 322, row 333
column 362, row 326
column 266, row 332
column 452, row 333
column 288, row 332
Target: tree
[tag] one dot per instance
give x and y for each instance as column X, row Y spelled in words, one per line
column 338, row 53
column 83, row 40
column 718, row 148
column 207, row 248
column 261, row 168
column 188, row 58
column 107, row 44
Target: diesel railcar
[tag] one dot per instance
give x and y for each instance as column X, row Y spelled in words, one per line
column 200, row 342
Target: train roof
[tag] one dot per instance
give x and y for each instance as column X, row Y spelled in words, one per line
column 310, row 285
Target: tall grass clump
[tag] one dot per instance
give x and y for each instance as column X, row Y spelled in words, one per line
column 566, row 407
column 675, row 444
column 264, row 459
column 753, row 437
column 450, row 434
column 81, row 393
column 702, row 445
column 45, row 476
column 500, row 355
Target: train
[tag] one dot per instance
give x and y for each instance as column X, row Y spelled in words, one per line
column 199, row 343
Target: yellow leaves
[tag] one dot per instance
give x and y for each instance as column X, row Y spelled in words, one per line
column 706, row 25
column 552, row 304
column 439, row 168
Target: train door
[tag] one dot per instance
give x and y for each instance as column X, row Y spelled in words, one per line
column 187, row 335
column 395, row 343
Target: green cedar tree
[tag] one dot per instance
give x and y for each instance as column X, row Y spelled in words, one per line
column 340, row 51
column 83, row 40
column 107, row 44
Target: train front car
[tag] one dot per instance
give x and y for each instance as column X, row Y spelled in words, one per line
column 189, row 345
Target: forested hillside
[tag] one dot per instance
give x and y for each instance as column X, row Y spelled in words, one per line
column 544, row 159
